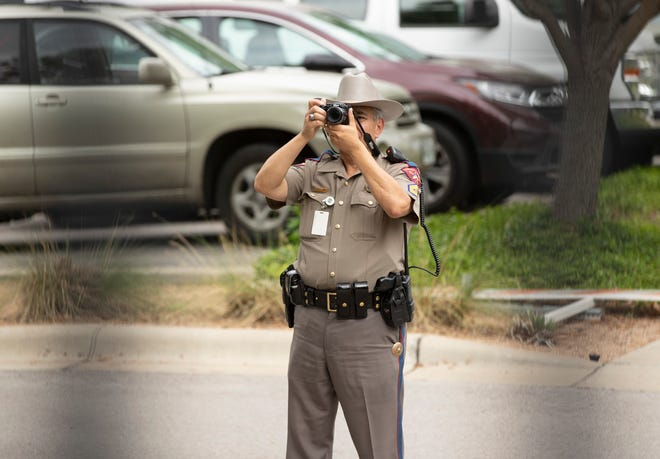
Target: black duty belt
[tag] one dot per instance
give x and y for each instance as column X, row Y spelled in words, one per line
column 349, row 301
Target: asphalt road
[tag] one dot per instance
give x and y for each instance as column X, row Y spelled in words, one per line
column 78, row 413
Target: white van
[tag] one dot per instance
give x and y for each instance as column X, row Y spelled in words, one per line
column 498, row 29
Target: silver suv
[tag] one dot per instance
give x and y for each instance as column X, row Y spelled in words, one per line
column 107, row 104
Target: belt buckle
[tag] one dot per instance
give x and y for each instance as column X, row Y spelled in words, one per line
column 327, row 299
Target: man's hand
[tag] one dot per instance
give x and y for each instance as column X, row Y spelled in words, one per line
column 347, row 138
column 314, row 119
column 270, row 180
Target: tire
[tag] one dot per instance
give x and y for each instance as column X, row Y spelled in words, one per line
column 614, row 159
column 244, row 210
column 617, row 158
column 450, row 182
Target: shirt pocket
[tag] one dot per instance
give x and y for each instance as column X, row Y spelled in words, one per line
column 310, row 204
column 366, row 216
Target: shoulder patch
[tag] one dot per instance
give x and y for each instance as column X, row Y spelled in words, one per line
column 413, row 190
column 413, row 174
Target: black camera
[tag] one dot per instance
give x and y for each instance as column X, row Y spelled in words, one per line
column 336, row 113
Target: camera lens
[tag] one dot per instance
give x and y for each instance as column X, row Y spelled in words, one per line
column 336, row 115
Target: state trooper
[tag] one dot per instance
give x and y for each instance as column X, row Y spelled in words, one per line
column 354, row 201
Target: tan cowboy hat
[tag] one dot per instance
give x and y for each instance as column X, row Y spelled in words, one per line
column 359, row 91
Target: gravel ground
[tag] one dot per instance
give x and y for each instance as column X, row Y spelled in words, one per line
column 610, row 337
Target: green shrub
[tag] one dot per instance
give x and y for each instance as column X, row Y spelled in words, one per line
column 532, row 328
column 521, row 246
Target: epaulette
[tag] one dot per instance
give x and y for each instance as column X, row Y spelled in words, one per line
column 318, row 158
column 330, row 153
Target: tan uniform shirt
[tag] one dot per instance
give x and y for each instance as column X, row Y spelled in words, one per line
column 345, row 236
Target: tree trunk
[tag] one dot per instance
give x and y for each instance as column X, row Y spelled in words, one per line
column 591, row 41
column 582, row 141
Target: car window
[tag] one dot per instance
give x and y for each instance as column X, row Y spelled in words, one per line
column 353, row 9
column 259, row 43
column 357, row 38
column 124, row 54
column 429, row 13
column 194, row 24
column 74, row 52
column 200, row 56
column 396, row 46
column 10, row 52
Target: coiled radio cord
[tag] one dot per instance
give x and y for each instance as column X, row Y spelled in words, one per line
column 422, row 223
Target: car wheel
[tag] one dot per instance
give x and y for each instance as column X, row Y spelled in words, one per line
column 449, row 182
column 613, row 156
column 246, row 211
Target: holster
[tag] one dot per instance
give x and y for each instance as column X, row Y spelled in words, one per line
column 397, row 306
column 292, row 293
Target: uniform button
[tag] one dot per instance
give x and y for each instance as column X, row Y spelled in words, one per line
column 346, row 183
column 338, row 226
column 334, row 249
column 341, row 203
column 370, row 203
column 397, row 349
column 332, row 274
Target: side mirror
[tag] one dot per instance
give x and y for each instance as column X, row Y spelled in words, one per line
column 153, row 70
column 484, row 13
column 326, row 62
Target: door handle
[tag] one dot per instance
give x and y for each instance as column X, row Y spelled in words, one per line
column 51, row 100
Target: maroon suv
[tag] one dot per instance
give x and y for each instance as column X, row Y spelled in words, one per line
column 496, row 125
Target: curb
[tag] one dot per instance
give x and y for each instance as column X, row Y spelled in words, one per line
column 86, row 343
column 76, row 344
column 241, row 351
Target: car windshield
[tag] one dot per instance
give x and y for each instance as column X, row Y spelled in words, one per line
column 201, row 57
column 372, row 44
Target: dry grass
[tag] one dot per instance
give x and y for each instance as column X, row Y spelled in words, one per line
column 10, row 301
column 233, row 301
column 438, row 307
column 225, row 301
column 58, row 288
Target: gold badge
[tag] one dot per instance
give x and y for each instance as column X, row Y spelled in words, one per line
column 397, row 349
column 319, row 190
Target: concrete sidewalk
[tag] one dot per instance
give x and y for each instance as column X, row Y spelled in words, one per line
column 241, row 351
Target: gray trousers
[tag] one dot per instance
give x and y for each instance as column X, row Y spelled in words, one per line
column 355, row 363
